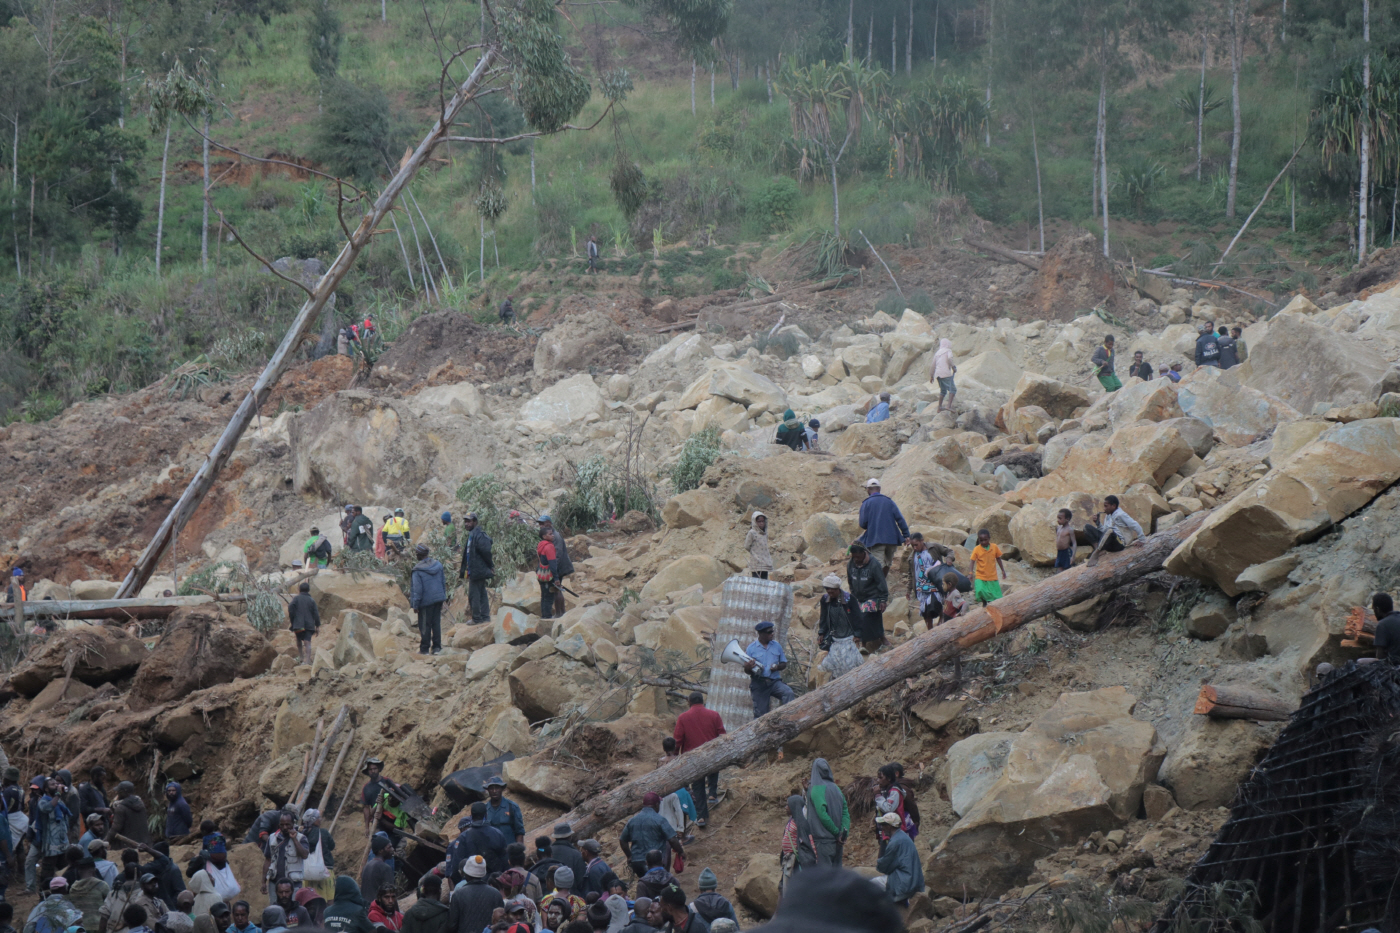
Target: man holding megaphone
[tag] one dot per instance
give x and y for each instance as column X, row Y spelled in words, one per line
column 764, row 667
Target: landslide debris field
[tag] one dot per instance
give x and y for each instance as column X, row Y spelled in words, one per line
column 1052, row 765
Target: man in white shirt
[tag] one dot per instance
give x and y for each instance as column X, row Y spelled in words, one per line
column 1114, row 527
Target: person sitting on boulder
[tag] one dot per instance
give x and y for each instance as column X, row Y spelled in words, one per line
column 812, row 434
column 1112, row 529
column 880, row 411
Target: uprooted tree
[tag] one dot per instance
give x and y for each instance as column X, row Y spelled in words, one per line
column 519, row 52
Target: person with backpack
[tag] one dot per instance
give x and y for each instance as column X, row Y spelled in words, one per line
column 1208, row 347
column 304, row 618
column 360, row 532
column 316, row 552
column 546, row 571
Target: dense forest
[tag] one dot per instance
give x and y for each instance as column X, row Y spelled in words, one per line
column 154, row 145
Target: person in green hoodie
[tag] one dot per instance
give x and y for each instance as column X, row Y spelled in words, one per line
column 348, row 913
column 790, row 432
column 429, row 913
column 828, row 817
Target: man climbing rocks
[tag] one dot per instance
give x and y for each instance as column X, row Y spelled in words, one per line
column 427, row 593
column 316, row 552
column 477, row 568
column 942, row 372
column 1103, row 362
column 304, row 618
column 546, row 573
column 696, row 726
column 765, row 671
column 396, row 531
column 360, row 531
column 1140, row 368
column 885, row 527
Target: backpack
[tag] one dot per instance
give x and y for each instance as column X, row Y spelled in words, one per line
column 323, row 548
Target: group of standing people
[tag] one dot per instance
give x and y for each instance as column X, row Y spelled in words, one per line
column 1222, row 349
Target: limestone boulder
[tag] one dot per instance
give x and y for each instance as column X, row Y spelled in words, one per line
column 737, row 385
column 930, row 494
column 470, row 637
column 373, row 594
column 685, row 572
column 546, row 688
column 94, row 589
column 997, row 520
column 462, row 398
column 510, row 624
column 721, row 414
column 863, row 360
column 1343, row 469
column 757, row 885
column 523, row 592
column 1032, row 529
column 1145, row 452
column 355, row 644
column 543, row 778
column 492, row 659
column 1237, row 413
column 1144, row 504
column 506, row 729
column 1145, row 401
column 101, row 654
column 826, row 536
column 691, row 508
column 1291, row 437
column 1267, row 576
column 357, row 446
column 1058, row 398
column 200, row 648
column 567, row 401
column 1079, row 768
column 949, row 454
column 878, row 440
column 975, row 764
column 578, row 342
column 60, row 691
column 578, row 639
column 1213, row 757
column 1302, row 362
column 990, row 370
column 1027, row 420
column 1053, row 453
column 812, row 366
column 687, row 634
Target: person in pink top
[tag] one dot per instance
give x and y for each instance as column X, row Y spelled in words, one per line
column 694, row 728
column 943, row 371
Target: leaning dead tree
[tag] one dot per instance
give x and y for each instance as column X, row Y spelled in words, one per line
column 880, row 672
column 520, row 52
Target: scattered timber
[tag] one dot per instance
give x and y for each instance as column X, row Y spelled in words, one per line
column 1227, row 701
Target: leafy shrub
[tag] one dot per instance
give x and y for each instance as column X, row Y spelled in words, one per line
column 311, row 244
column 775, row 204
column 241, row 350
column 894, row 304
column 602, row 491
column 513, row 542
column 721, row 279
column 697, row 453
column 358, row 135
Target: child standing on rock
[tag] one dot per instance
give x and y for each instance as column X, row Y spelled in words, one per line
column 986, row 561
column 1064, row 540
column 756, row 543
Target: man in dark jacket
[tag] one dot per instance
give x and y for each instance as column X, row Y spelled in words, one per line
column 640, row 911
column 477, row 837
column 377, row 871
column 1226, row 343
column 709, row 903
column 304, row 618
column 429, row 914
column 427, row 594
column 678, row 917
column 92, row 793
column 885, row 527
column 870, row 594
column 178, row 818
column 833, row 899
column 129, row 814
column 566, row 566
column 568, row 854
column 478, row 568
column 360, row 531
column 1208, row 347
column 472, row 904
column 348, row 913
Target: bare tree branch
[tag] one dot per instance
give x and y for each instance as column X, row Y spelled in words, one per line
column 224, row 220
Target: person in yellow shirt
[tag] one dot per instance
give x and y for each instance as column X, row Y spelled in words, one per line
column 396, row 531
column 986, row 561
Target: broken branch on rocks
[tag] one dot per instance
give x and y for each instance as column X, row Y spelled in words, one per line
column 880, row 672
column 1235, row 702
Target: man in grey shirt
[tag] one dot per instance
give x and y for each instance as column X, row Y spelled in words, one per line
column 1112, row 530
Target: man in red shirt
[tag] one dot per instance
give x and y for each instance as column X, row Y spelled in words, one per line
column 694, row 728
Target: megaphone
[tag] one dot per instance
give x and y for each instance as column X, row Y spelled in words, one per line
column 733, row 654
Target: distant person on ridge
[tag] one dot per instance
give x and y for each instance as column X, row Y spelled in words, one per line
column 507, row 310
column 592, row 249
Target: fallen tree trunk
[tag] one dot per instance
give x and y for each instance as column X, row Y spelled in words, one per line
column 1224, row 701
column 915, row 656
column 1001, row 252
column 107, row 608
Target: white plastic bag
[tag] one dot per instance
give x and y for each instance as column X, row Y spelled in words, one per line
column 313, row 867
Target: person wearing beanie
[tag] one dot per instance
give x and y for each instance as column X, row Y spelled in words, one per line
column 710, row 904
column 563, row 885
column 473, row 901
column 427, row 594
column 599, row 917
column 646, row 831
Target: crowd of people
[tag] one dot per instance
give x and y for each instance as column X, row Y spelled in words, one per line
column 1222, row 348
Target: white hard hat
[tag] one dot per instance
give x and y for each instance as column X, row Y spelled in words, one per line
column 872, row 482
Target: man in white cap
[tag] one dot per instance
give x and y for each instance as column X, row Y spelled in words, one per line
column 473, row 901
column 885, row 527
column 904, row 876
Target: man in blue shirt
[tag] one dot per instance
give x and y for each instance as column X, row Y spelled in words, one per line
column 765, row 680
column 881, row 412
column 504, row 814
column 646, row 831
column 885, row 527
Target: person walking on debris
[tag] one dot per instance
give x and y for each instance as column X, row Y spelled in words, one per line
column 1208, row 347
column 304, row 618
column 696, row 726
column 812, row 434
column 316, row 552
column 836, row 632
column 1103, row 361
column 943, row 372
column 507, row 310
column 381, row 546
column 765, row 667
column 179, row 819
column 565, row 568
column 904, row 875
column 1226, row 343
column 923, row 585
column 645, row 831
column 891, row 796
column 546, row 572
column 360, row 533
column 1140, row 368
column 1112, row 529
column 428, row 591
column 986, row 562
column 345, row 520
column 396, row 535
column 756, row 543
column 884, row 527
column 870, row 594
column 828, row 817
column 592, row 249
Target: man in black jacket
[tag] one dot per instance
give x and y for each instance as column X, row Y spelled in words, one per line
column 472, row 904
column 478, row 568
column 477, row 837
column 567, row 854
column 870, row 593
column 304, row 617
column 1208, row 347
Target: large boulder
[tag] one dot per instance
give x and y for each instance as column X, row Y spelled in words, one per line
column 878, row 440
column 462, row 398
column 544, row 778
column 1145, row 452
column 737, row 385
column 1303, row 362
column 990, row 370
column 1238, row 414
column 1212, row 758
column 1058, row 398
column 975, row 764
column 1033, row 528
column 757, row 885
column 98, row 654
column 94, row 589
column 567, row 401
column 1075, row 274
column 684, row 572
column 580, row 342
column 929, row 494
column 686, row 634
column 355, row 644
column 200, row 648
column 360, row 447
column 1079, row 768
column 1144, row 401
column 547, row 687
column 371, row 593
column 1292, row 437
column 690, row 508
column 1343, row 469
column 863, row 360
column 827, row 535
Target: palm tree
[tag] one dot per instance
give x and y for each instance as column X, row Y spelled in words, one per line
column 1198, row 105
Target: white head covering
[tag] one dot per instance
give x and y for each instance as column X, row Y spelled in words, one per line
column 831, row 582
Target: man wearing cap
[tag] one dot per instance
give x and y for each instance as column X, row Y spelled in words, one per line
column 377, row 871
column 472, row 903
column 105, row 868
column 885, row 527
column 565, row 851
column 477, row 837
column 427, row 593
column 477, row 568
column 58, row 910
column 377, row 787
column 449, row 531
column 599, row 876
column 880, row 411
column 565, row 568
column 17, row 590
column 360, row 531
column 696, row 726
column 646, row 831
column 904, row 875
column 502, row 813
column 709, row 903
column 812, row 434
column 768, row 662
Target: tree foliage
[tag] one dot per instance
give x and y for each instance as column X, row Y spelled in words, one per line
column 358, row 135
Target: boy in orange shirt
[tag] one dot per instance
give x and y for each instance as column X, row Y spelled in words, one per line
column 986, row 561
